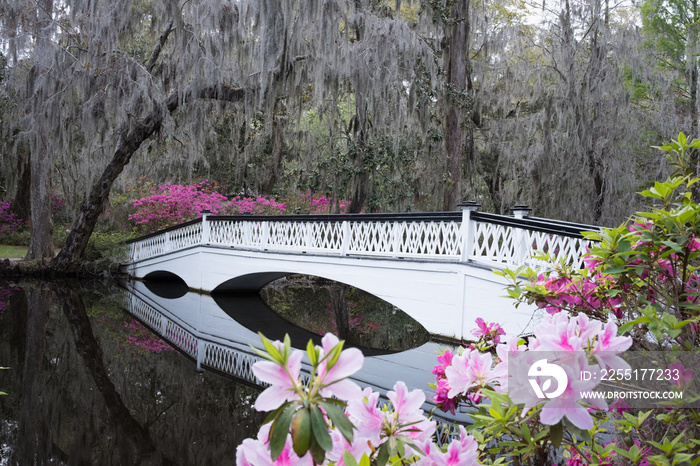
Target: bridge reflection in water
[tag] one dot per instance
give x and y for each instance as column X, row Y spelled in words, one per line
column 217, row 332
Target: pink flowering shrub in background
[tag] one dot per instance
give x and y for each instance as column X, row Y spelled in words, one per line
column 310, row 203
column 9, row 221
column 169, row 204
column 257, row 206
column 173, row 204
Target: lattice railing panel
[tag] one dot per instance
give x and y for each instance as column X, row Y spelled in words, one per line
column 369, row 238
column 562, row 248
column 146, row 314
column 148, row 247
column 288, row 235
column 181, row 338
column 327, row 236
column 230, row 361
column 228, row 233
column 495, row 243
column 186, row 237
column 441, row 239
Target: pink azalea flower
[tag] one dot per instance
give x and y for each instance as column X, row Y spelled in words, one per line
column 407, row 410
column 366, row 416
column 255, row 452
column 470, row 369
column 485, row 329
column 608, row 345
column 357, row 448
column 444, row 360
column 684, row 375
column 460, row 452
column 566, row 405
column 284, row 381
column 335, row 380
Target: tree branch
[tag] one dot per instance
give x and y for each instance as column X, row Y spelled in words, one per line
column 159, row 46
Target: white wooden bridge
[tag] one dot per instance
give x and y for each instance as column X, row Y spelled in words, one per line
column 436, row 267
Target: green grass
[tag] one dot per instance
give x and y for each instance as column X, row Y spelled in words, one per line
column 12, row 251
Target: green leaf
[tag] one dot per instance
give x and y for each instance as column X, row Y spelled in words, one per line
column 272, row 351
column 339, row 419
column 348, row 459
column 320, row 429
column 556, row 433
column 301, row 431
column 273, row 414
column 383, row 454
column 279, row 431
column 317, row 453
column 313, row 354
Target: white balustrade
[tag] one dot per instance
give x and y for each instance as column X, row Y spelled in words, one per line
column 493, row 241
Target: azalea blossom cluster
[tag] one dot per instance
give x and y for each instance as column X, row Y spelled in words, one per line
column 258, row 206
column 461, row 377
column 308, row 426
column 9, row 221
column 173, row 204
column 605, row 286
column 563, row 292
column 170, row 204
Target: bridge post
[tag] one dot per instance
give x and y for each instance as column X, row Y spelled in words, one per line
column 201, row 352
column 206, row 228
column 345, row 242
column 522, row 249
column 468, row 227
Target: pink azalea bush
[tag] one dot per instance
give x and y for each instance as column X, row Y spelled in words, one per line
column 9, row 221
column 157, row 207
column 641, row 280
column 257, row 206
column 478, row 376
column 173, row 204
column 310, row 203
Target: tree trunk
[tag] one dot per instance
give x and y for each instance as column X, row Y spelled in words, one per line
column 279, row 122
column 33, row 447
column 358, row 131
column 340, row 310
column 21, row 204
column 130, row 138
column 457, row 74
column 41, row 235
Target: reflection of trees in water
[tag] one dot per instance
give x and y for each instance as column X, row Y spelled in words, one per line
column 321, row 306
column 78, row 392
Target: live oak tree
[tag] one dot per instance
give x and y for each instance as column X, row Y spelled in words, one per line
column 97, row 94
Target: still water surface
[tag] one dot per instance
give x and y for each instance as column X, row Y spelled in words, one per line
column 89, row 383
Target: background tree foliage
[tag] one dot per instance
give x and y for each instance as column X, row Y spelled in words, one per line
column 395, row 105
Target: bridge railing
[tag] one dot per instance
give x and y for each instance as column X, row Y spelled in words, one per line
column 470, row 235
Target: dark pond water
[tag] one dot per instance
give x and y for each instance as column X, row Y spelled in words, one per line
column 90, row 381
